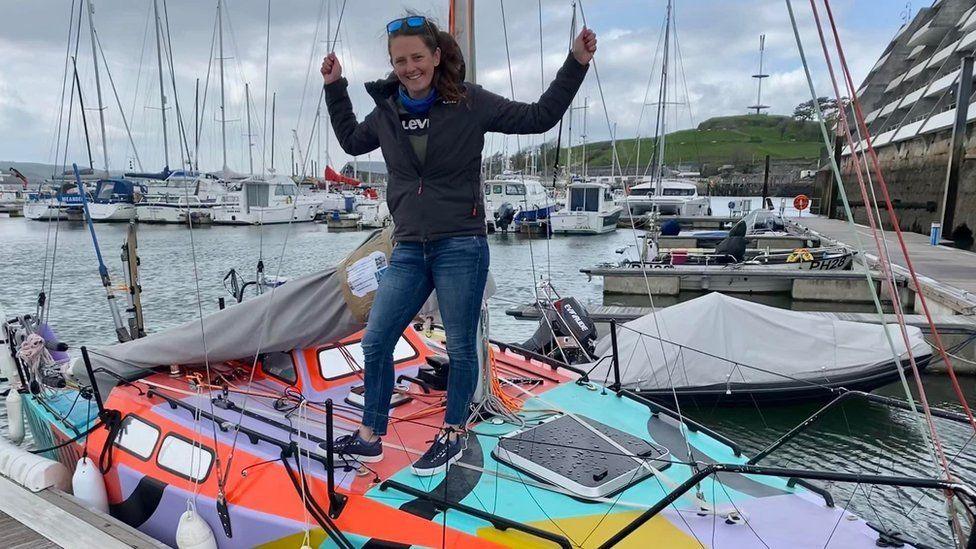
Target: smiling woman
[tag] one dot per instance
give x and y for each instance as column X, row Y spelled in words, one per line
column 430, row 125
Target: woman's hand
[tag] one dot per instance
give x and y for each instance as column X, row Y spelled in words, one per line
column 583, row 47
column 332, row 70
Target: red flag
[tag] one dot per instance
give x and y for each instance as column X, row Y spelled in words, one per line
column 332, row 175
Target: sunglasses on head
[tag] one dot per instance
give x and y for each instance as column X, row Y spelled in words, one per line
column 413, row 22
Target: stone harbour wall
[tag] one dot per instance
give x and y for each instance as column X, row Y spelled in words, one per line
column 915, row 172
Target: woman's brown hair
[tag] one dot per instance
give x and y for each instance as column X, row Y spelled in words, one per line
column 449, row 75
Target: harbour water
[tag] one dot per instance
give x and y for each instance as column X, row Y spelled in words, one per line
column 861, row 437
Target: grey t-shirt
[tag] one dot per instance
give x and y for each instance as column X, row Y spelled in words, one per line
column 416, row 126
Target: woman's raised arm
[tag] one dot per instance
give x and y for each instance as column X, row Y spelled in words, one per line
column 507, row 116
column 354, row 137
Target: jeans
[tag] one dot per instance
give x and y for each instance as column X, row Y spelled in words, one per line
column 457, row 268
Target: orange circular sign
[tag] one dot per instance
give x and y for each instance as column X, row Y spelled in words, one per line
column 801, row 202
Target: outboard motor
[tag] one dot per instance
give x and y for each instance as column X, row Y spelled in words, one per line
column 571, row 327
column 734, row 246
column 504, row 216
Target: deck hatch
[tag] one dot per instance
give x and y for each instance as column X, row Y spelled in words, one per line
column 563, row 452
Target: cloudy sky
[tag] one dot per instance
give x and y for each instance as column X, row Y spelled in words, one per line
column 718, row 42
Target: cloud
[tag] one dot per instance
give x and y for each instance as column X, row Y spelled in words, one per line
column 718, row 54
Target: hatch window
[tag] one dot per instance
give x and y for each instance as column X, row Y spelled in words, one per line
column 137, row 436
column 182, row 457
column 280, row 366
column 496, row 189
column 342, row 360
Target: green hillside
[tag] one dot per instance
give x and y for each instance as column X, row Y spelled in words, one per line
column 737, row 140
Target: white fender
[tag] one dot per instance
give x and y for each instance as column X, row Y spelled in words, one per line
column 193, row 532
column 15, row 416
column 88, row 485
column 32, row 471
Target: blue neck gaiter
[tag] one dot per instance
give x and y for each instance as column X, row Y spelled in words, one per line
column 417, row 106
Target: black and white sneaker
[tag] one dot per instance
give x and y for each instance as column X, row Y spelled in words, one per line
column 441, row 454
column 355, row 447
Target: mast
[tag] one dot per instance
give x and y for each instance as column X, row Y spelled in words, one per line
column 250, row 144
column 223, row 117
column 462, row 28
column 273, row 97
column 162, row 93
column 660, row 126
column 196, row 127
column 98, row 84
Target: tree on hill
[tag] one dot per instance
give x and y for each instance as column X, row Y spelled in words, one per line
column 828, row 106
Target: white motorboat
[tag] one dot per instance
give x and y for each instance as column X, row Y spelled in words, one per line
column 183, row 194
column 13, row 194
column 265, row 201
column 590, row 209
column 374, row 212
column 513, row 198
column 667, row 197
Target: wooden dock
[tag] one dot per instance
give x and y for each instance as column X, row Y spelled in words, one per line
column 809, row 285
column 947, row 275
column 52, row 518
column 946, row 324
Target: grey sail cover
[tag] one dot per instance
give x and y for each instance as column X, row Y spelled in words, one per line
column 301, row 313
column 716, row 339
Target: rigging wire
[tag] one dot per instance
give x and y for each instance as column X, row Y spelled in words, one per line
column 118, row 102
column 187, row 160
column 859, row 115
column 884, row 259
column 46, row 310
column 615, row 158
column 929, row 435
column 271, row 297
column 264, row 125
column 41, row 308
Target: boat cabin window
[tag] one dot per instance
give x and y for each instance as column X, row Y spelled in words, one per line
column 106, row 191
column 342, row 360
column 280, row 366
column 183, row 457
column 285, row 190
column 496, row 189
column 585, row 199
column 137, row 436
column 642, row 192
column 515, row 189
column 677, row 192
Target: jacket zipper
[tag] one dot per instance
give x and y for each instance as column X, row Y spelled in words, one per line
column 420, row 188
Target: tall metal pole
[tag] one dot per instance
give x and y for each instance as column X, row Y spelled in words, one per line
column 84, row 119
column 462, row 27
column 273, row 97
column 958, row 151
column 98, row 84
column 196, row 127
column 162, row 92
column 661, row 125
column 250, row 145
column 223, row 113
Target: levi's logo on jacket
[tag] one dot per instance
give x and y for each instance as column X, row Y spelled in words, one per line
column 415, row 124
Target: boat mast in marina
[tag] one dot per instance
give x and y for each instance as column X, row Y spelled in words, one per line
column 660, row 128
column 98, row 85
column 223, row 112
column 162, row 92
column 250, row 142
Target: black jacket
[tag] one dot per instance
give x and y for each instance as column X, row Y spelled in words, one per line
column 442, row 196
